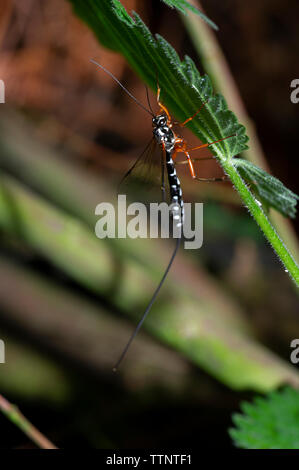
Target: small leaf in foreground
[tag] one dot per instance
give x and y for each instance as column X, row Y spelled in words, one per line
column 268, row 423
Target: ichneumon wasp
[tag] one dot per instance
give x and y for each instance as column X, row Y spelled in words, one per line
column 171, row 144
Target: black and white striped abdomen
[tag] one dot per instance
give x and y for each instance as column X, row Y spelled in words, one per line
column 175, row 191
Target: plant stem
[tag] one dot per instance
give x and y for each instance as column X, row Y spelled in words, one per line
column 17, row 418
column 259, row 215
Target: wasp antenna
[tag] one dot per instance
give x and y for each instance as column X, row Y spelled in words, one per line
column 148, row 100
column 122, row 86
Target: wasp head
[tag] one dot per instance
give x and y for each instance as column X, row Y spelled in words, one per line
column 160, row 120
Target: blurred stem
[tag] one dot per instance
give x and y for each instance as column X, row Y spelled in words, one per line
column 215, row 63
column 199, row 331
column 17, row 418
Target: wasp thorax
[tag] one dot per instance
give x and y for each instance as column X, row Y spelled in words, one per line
column 160, row 120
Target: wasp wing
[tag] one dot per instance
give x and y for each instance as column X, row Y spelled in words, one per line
column 146, row 173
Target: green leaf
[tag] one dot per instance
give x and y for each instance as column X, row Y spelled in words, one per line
column 182, row 5
column 269, row 189
column 268, row 423
column 183, row 89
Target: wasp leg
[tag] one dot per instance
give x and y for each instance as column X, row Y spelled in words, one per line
column 162, row 107
column 212, row 180
column 210, row 143
column 185, row 162
column 190, row 161
column 183, row 150
column 194, row 115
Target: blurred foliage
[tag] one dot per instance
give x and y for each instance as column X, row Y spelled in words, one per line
column 270, row 422
column 28, row 375
column 179, row 319
column 192, row 324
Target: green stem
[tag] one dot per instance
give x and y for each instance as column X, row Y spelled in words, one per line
column 17, row 418
column 262, row 220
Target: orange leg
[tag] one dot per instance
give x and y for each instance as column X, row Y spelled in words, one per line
column 211, row 143
column 194, row 176
column 189, row 161
column 182, row 148
column 194, row 115
column 184, row 162
column 213, row 180
column 191, row 167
